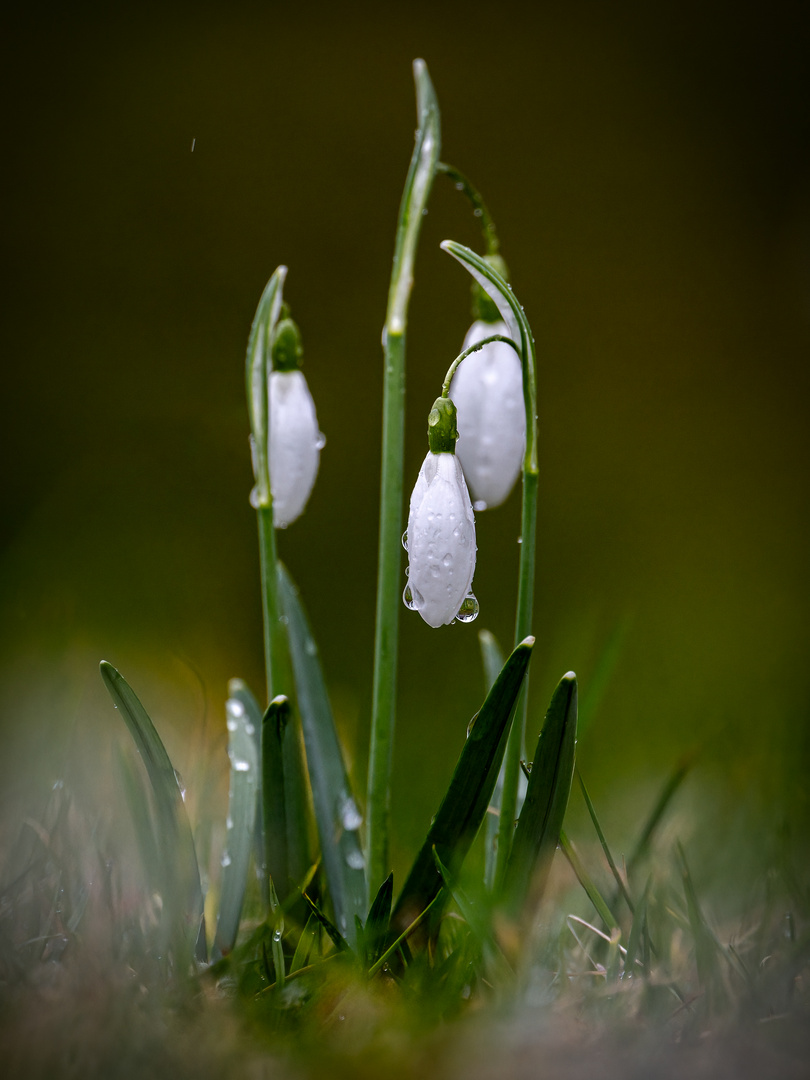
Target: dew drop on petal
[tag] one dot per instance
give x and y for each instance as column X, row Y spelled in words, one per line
column 407, row 599
column 320, row 442
column 405, row 539
column 479, row 504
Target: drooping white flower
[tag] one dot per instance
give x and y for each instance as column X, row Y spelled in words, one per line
column 441, row 543
column 295, row 445
column 487, row 390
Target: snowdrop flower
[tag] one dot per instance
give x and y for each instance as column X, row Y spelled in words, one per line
column 295, row 441
column 441, row 530
column 487, row 389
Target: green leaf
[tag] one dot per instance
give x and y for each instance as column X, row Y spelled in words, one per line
column 306, row 942
column 465, row 803
column 541, row 818
column 257, row 364
column 336, row 812
column 377, row 923
column 338, row 939
column 493, row 660
column 182, row 888
column 273, row 804
column 241, row 823
column 671, row 785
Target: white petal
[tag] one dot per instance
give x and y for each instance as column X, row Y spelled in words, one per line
column 487, row 390
column 441, row 540
column 295, row 444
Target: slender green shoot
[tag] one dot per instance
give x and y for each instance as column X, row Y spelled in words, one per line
column 473, row 348
column 610, row 860
column 414, row 201
column 513, row 315
column 466, row 186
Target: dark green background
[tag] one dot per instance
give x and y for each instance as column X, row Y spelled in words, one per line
column 647, row 166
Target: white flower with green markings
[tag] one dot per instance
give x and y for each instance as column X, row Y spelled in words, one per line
column 295, row 440
column 440, row 539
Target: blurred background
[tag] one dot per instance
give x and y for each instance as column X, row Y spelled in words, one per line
column 648, row 170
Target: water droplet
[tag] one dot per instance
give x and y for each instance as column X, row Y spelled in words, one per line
column 250, row 729
column 229, row 822
column 468, row 610
column 311, row 647
column 479, row 504
column 447, row 561
column 407, row 598
column 58, row 785
column 236, row 707
column 424, row 212
column 283, row 620
column 180, row 784
column 355, row 860
column 478, row 212
column 320, row 442
column 244, row 766
column 520, row 539
column 350, row 817
column 405, row 539
column 471, row 724
column 278, row 933
column 255, row 498
column 231, row 724
column 459, row 186
column 226, row 859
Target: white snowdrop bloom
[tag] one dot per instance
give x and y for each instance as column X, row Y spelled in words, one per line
column 487, row 390
column 441, row 543
column 295, row 445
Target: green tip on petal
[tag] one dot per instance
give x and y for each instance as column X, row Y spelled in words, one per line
column 287, row 348
column 442, row 430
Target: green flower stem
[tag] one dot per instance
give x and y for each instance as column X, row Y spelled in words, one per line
column 274, row 640
column 414, row 200
column 473, row 348
column 512, row 313
column 465, row 185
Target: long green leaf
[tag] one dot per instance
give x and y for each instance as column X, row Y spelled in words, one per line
column 465, row 803
column 541, row 818
column 587, row 883
column 273, row 804
column 492, row 659
column 336, row 812
column 240, row 691
column 183, row 891
column 241, row 823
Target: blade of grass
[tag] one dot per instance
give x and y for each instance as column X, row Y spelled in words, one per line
column 437, row 900
column 585, row 880
column 306, row 942
column 541, row 819
column 378, row 921
column 336, row 812
column 669, row 789
column 182, row 882
column 241, row 824
column 599, row 681
column 465, row 803
column 637, row 929
column 611, row 862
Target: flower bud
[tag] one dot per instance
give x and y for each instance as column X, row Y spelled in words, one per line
column 441, row 536
column 487, row 389
column 295, row 441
